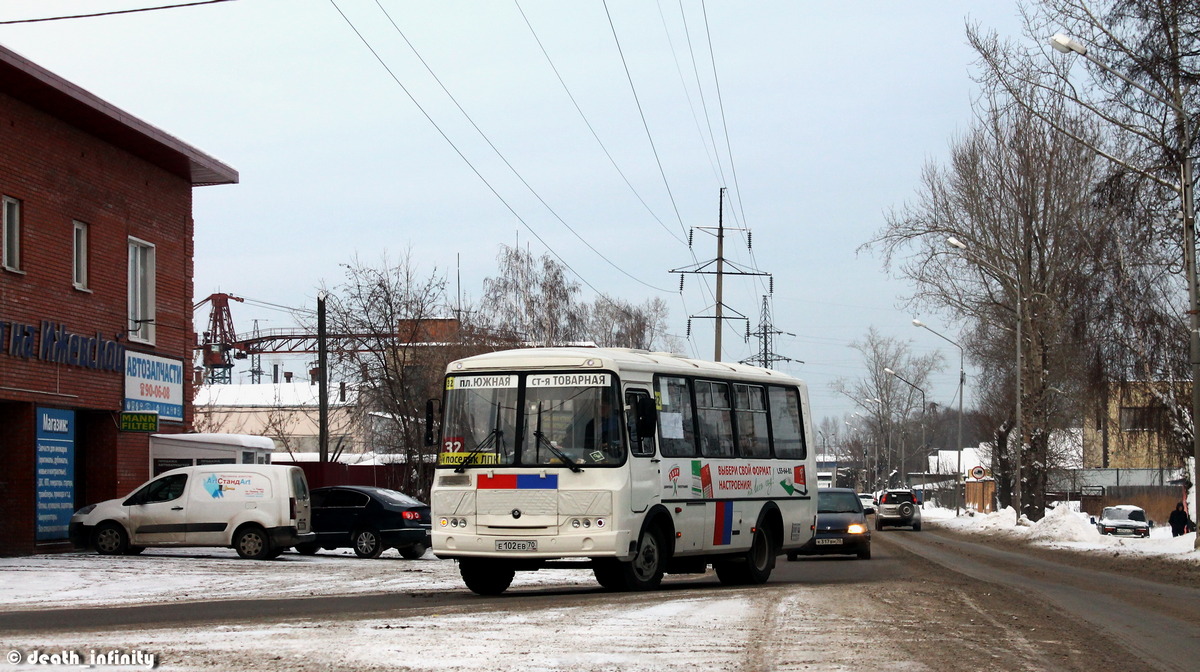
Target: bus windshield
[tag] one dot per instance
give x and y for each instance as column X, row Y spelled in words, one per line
column 568, row 419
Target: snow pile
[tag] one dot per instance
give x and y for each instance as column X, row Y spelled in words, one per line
column 1002, row 521
column 1066, row 529
column 1062, row 524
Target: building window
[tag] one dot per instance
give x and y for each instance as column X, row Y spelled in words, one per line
column 80, row 261
column 141, row 291
column 1143, row 418
column 10, row 234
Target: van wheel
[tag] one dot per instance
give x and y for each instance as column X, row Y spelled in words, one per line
column 251, row 543
column 367, row 544
column 308, row 549
column 110, row 539
column 413, row 552
column 486, row 577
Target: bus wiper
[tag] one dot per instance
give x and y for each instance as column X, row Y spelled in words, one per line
column 492, row 437
column 566, row 459
column 542, row 440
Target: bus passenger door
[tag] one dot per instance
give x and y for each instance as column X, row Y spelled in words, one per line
column 643, row 465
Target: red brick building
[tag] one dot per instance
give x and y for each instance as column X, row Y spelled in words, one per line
column 95, row 297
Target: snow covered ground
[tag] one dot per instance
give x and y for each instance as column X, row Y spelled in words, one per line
column 623, row 635
column 190, row 574
column 1064, row 528
column 182, row 575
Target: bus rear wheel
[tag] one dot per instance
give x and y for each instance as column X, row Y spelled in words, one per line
column 486, row 577
column 752, row 569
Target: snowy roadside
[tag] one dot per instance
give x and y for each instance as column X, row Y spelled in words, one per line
column 160, row 576
column 1062, row 528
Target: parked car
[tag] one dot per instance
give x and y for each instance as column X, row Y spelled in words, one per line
column 898, row 507
column 1123, row 519
column 257, row 509
column 369, row 520
column 868, row 502
column 841, row 526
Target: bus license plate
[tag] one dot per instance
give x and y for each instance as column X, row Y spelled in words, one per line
column 517, row 545
column 829, row 542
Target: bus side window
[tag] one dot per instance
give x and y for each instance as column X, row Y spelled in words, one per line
column 713, row 408
column 787, row 428
column 676, row 433
column 642, row 446
column 751, row 412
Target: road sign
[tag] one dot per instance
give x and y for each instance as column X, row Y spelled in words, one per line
column 977, row 473
column 139, row 421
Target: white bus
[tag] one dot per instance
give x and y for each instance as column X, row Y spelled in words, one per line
column 632, row 463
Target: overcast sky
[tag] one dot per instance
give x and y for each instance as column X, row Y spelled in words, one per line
column 829, row 111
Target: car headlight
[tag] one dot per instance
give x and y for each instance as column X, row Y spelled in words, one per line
column 856, row 528
column 85, row 510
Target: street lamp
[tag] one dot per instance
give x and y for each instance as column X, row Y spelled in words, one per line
column 904, row 380
column 1068, row 45
column 1017, row 424
column 962, row 380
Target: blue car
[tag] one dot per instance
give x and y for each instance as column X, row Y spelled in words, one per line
column 841, row 526
column 369, row 520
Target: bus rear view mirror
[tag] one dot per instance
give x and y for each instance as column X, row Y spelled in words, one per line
column 647, row 416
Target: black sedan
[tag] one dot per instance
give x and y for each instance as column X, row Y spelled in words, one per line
column 369, row 520
column 841, row 526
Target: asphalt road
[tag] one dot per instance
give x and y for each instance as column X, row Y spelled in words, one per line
column 925, row 601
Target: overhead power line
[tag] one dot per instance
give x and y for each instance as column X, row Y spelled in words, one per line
column 590, row 127
column 645, row 125
column 504, row 159
column 438, row 128
column 114, row 12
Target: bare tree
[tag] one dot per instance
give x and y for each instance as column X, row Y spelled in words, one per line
column 1142, row 63
column 393, row 339
column 533, row 301
column 893, row 408
column 1018, row 194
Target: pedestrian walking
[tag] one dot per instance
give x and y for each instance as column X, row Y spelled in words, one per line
column 1180, row 523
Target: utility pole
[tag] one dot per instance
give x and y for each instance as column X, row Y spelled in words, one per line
column 719, row 263
column 766, row 331
column 322, row 382
column 256, row 372
column 720, row 274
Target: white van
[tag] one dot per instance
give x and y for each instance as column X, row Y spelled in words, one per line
column 258, row 509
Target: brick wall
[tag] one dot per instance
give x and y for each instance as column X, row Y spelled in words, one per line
column 16, row 441
column 62, row 175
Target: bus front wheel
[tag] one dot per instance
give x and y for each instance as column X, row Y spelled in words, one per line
column 644, row 572
column 486, row 577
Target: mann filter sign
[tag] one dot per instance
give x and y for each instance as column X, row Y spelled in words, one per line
column 154, row 384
